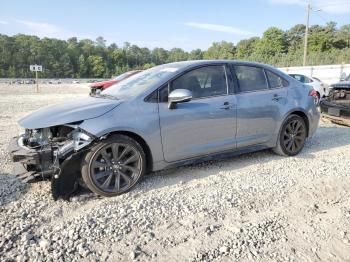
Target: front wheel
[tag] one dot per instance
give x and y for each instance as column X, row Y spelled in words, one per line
column 292, row 136
column 113, row 166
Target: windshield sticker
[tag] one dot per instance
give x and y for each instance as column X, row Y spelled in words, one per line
column 169, row 69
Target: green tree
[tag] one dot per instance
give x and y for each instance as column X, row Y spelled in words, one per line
column 86, row 58
column 295, row 37
column 96, row 65
column 82, row 67
column 159, row 56
column 344, row 34
column 148, row 65
column 273, row 42
column 196, row 54
column 177, row 54
column 11, row 72
column 100, row 42
column 245, row 48
column 220, row 50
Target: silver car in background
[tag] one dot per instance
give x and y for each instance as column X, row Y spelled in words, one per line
column 322, row 89
column 169, row 115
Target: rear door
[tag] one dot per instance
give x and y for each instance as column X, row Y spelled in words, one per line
column 260, row 101
column 204, row 125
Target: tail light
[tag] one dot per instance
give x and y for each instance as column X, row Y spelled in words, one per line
column 313, row 93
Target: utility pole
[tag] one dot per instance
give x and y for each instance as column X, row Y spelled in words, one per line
column 36, row 81
column 306, row 31
column 36, row 68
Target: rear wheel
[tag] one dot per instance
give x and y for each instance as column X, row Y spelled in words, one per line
column 292, row 136
column 114, row 166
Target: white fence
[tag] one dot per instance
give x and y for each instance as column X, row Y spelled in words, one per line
column 327, row 73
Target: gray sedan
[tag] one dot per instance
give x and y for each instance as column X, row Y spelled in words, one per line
column 169, row 115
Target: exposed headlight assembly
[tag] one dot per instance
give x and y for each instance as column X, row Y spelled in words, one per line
column 78, row 141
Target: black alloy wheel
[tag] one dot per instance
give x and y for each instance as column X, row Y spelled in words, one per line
column 114, row 166
column 292, row 136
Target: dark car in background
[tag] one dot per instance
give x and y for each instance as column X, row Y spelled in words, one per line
column 336, row 106
column 100, row 86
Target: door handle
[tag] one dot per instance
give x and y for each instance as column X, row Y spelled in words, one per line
column 276, row 97
column 226, row 106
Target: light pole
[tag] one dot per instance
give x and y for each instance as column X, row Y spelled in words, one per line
column 308, row 10
column 306, row 31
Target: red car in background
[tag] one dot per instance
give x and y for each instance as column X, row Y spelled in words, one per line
column 100, row 86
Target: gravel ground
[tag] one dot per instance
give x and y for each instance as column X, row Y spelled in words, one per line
column 254, row 207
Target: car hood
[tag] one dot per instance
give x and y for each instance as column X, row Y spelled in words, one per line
column 69, row 112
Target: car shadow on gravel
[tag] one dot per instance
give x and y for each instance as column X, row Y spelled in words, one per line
column 324, row 139
column 11, row 189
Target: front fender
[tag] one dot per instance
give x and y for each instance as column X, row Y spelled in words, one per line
column 139, row 118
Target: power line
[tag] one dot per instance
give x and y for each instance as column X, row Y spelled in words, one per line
column 324, row 19
column 334, row 4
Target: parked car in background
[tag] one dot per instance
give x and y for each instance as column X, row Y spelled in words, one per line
column 321, row 88
column 166, row 116
column 55, row 81
column 92, row 81
column 100, row 86
column 30, row 81
column 75, row 82
column 336, row 106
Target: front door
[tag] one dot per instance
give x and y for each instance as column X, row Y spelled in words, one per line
column 204, row 125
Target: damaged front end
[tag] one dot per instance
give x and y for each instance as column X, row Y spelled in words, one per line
column 336, row 107
column 52, row 152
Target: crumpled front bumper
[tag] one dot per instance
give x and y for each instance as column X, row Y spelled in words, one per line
column 29, row 164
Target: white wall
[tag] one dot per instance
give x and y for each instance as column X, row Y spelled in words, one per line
column 327, row 73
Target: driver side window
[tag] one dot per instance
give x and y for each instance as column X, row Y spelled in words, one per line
column 203, row 82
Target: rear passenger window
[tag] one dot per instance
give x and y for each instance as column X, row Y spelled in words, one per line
column 275, row 81
column 250, row 78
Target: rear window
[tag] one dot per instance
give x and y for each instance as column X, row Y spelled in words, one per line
column 275, row 81
column 250, row 78
column 302, row 78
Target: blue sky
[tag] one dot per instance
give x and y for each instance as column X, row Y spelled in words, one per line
column 187, row 24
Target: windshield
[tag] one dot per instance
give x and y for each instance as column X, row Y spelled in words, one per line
column 137, row 83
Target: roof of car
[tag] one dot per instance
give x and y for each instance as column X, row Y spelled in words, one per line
column 205, row 62
column 192, row 63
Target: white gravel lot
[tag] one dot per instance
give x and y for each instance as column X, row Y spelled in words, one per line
column 254, row 207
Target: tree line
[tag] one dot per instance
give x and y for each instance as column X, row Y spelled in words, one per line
column 85, row 58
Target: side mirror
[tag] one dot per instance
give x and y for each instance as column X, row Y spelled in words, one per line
column 179, row 96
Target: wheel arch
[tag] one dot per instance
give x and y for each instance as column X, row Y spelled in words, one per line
column 303, row 115
column 141, row 141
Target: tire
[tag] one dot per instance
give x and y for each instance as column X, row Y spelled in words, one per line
column 113, row 166
column 291, row 140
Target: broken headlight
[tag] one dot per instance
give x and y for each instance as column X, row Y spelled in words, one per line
column 37, row 137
